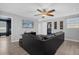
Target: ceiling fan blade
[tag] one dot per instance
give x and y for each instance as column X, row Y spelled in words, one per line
column 51, row 11
column 37, row 15
column 39, row 10
column 50, row 14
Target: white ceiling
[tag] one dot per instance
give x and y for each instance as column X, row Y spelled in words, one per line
column 29, row 9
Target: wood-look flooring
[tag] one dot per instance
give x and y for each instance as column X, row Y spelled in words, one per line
column 68, row 48
column 8, row 48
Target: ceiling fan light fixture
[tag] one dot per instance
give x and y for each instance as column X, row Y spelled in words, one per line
column 44, row 12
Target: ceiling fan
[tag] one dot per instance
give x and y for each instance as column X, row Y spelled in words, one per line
column 44, row 12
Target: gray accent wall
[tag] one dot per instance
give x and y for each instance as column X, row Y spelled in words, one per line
column 72, row 33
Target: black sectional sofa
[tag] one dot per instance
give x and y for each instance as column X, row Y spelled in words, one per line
column 41, row 44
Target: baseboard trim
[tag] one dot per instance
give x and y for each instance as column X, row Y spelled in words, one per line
column 71, row 40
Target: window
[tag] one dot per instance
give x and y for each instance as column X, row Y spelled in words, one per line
column 2, row 27
column 73, row 23
column 55, row 25
column 61, row 24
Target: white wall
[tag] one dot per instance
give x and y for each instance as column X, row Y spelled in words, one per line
column 42, row 28
column 16, row 25
column 58, row 26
